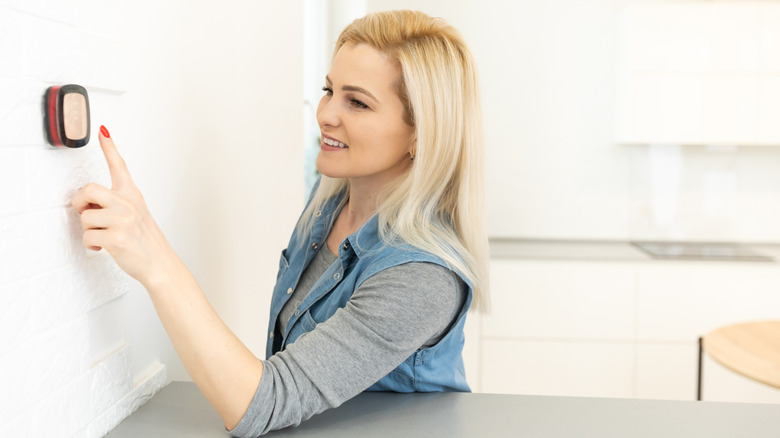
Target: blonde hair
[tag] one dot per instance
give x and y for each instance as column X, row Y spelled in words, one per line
column 437, row 205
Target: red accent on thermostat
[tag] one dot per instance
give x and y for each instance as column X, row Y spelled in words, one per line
column 52, row 108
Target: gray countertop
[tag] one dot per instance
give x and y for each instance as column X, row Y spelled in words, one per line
column 595, row 250
column 179, row 410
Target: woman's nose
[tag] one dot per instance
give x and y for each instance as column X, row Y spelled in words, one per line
column 327, row 112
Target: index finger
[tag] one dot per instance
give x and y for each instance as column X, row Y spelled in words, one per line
column 120, row 176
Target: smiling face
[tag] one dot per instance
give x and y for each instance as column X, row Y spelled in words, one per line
column 364, row 136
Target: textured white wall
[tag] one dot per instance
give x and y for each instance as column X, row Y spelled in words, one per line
column 66, row 366
column 204, row 103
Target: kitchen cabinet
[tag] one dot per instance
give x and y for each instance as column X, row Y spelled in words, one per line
column 702, row 73
column 588, row 321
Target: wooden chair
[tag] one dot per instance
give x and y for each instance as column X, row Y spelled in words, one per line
column 751, row 349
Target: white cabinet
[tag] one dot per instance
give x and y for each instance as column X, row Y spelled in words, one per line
column 666, row 370
column 680, row 301
column 556, row 367
column 721, row 384
column 699, row 73
column 559, row 328
column 563, row 300
column 615, row 329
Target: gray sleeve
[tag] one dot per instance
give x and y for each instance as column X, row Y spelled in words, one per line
column 388, row 317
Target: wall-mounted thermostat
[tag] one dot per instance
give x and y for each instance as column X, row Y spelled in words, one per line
column 66, row 116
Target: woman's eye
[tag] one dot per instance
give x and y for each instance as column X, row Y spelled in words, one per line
column 354, row 102
column 358, row 104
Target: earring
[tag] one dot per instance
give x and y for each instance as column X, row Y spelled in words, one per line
column 412, row 154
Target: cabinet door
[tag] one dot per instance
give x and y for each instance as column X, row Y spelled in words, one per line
column 586, row 369
column 560, row 328
column 680, row 301
column 666, row 371
column 723, row 385
column 561, row 299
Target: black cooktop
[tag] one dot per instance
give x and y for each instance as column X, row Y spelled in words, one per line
column 701, row 251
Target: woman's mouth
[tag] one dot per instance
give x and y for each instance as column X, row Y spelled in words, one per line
column 334, row 143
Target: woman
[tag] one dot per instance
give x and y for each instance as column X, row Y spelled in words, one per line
column 386, row 259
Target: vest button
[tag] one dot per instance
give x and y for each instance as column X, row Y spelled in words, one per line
column 318, row 213
column 337, row 276
column 346, row 246
column 315, row 245
column 289, row 290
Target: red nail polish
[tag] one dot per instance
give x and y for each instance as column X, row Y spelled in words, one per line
column 104, row 131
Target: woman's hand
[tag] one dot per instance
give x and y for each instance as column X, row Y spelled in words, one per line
column 118, row 220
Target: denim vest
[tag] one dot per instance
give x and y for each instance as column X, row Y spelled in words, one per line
column 361, row 255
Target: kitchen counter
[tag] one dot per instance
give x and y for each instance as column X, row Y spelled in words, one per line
column 179, row 410
column 598, row 250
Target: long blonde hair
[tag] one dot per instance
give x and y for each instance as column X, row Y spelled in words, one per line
column 438, row 205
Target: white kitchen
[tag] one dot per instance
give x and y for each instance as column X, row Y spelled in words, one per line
column 632, row 193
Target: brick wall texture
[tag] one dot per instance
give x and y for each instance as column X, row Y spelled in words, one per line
column 53, row 381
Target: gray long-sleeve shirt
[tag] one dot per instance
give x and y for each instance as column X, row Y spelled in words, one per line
column 391, row 315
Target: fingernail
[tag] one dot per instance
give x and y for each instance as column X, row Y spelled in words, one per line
column 104, row 131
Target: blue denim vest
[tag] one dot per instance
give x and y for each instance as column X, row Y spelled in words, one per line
column 361, row 255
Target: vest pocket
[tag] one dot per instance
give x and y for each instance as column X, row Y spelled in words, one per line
column 303, row 325
column 307, row 322
column 283, row 265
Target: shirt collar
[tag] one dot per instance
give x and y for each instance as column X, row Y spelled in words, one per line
column 366, row 238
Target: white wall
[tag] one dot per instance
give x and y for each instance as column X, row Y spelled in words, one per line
column 204, row 103
column 549, row 75
column 242, row 191
column 64, row 359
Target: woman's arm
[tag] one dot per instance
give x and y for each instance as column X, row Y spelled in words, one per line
column 389, row 316
column 118, row 220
